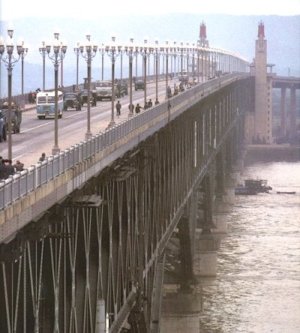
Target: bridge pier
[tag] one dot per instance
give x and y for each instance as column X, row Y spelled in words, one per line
column 180, row 312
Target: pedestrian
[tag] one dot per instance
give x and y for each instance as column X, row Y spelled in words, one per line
column 150, row 103
column 138, row 108
column 118, row 108
column 131, row 108
column 18, row 166
column 43, row 157
column 8, row 169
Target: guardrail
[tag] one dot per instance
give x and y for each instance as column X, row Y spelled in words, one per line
column 24, row 182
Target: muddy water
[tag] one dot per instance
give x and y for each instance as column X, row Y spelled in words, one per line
column 257, row 288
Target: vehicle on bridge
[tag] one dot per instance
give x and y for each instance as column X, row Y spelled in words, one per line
column 16, row 119
column 84, row 97
column 45, row 104
column 103, row 90
column 139, row 84
column 121, row 88
column 72, row 100
column 184, row 77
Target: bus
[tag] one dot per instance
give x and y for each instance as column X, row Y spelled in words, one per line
column 45, row 104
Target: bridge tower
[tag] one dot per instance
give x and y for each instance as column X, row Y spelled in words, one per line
column 262, row 132
column 203, row 42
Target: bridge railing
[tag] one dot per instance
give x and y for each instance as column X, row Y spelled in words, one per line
column 24, row 182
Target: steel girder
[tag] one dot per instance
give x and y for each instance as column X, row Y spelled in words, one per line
column 95, row 259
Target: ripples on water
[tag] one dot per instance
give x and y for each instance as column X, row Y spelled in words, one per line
column 257, row 289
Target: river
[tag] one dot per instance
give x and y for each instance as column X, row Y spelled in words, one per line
column 257, row 288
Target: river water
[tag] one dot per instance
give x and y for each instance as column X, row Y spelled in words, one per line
column 257, row 288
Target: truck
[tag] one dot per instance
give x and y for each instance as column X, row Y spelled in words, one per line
column 16, row 119
column 184, row 77
column 103, row 90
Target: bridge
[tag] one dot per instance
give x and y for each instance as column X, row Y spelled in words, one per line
column 288, row 126
column 90, row 235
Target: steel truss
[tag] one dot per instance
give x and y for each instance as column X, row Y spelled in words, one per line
column 96, row 260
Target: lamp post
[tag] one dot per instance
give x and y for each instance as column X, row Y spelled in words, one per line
column 88, row 52
column 102, row 61
column 175, row 55
column 156, row 55
column 112, row 51
column 193, row 62
column 22, row 56
column 43, row 51
column 198, row 63
column 166, row 51
column 9, row 60
column 187, row 58
column 56, row 36
column 144, row 52
column 130, row 51
column 59, row 51
column 77, row 51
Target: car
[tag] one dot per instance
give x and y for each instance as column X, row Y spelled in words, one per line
column 84, row 97
column 72, row 100
column 121, row 88
column 139, row 84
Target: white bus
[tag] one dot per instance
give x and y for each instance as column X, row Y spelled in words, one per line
column 45, row 104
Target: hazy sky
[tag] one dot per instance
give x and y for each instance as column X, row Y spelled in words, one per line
column 12, row 9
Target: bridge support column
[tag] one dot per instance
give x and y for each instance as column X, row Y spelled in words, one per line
column 157, row 296
column 180, row 313
column 283, row 112
column 206, row 243
column 205, row 257
column 293, row 116
column 220, row 205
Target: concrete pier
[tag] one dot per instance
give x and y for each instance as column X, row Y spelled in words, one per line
column 180, row 312
column 205, row 256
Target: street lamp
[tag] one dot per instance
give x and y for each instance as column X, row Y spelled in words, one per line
column 181, row 57
column 56, row 36
column 9, row 60
column 59, row 51
column 165, row 49
column 144, row 51
column 22, row 56
column 174, row 55
column 187, row 58
column 102, row 49
column 112, row 50
column 156, row 55
column 88, row 52
column 77, row 51
column 130, row 51
column 43, row 51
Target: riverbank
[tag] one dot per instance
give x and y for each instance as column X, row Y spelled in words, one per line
column 271, row 153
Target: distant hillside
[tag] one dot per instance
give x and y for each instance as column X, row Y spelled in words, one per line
column 234, row 33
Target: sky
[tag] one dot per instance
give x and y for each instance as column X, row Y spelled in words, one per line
column 13, row 9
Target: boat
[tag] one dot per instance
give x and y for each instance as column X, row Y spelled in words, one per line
column 243, row 190
column 259, row 185
column 286, row 192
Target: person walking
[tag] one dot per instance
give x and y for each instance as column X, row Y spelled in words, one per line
column 131, row 108
column 138, row 108
column 118, row 108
